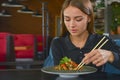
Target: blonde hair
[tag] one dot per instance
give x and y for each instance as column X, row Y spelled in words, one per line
column 85, row 6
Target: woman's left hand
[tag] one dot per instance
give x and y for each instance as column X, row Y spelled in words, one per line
column 98, row 57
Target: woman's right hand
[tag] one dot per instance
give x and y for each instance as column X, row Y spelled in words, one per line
column 98, row 57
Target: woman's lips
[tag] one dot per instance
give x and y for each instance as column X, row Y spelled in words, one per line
column 73, row 31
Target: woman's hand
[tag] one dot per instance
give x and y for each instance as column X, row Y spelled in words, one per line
column 98, row 57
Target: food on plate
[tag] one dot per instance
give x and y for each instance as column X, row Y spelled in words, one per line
column 66, row 64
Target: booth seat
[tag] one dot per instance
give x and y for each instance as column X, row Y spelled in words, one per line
column 6, row 48
column 39, row 43
column 25, row 46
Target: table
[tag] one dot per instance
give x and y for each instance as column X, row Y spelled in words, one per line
column 36, row 74
column 23, row 64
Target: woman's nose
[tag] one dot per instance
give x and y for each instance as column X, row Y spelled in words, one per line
column 72, row 23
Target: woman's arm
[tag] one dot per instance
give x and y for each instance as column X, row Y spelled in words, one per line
column 56, row 50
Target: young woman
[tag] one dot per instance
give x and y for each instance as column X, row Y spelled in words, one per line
column 78, row 37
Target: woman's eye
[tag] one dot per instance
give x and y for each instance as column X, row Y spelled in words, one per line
column 79, row 19
column 76, row 19
column 67, row 19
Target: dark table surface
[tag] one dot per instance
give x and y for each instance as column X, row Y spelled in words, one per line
column 22, row 63
column 37, row 74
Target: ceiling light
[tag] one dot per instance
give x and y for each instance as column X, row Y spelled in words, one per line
column 4, row 13
column 12, row 3
column 22, row 0
column 25, row 9
column 37, row 14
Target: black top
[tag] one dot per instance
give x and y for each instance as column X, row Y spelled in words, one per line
column 62, row 46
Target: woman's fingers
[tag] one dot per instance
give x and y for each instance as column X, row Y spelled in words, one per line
column 98, row 62
column 97, row 57
column 90, row 57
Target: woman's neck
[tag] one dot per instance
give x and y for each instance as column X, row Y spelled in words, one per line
column 80, row 40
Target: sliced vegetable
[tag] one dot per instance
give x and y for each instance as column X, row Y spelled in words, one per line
column 66, row 64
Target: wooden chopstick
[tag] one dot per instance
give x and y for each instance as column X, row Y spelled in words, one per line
column 103, row 44
column 79, row 67
column 82, row 63
column 98, row 43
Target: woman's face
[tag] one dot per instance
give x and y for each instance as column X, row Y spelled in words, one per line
column 75, row 20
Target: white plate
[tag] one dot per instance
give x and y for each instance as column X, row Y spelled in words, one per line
column 69, row 73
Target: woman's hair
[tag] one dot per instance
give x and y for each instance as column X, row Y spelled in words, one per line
column 85, row 6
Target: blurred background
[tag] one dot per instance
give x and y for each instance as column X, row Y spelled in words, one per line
column 41, row 19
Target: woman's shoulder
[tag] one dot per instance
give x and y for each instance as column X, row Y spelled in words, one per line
column 58, row 39
column 99, row 36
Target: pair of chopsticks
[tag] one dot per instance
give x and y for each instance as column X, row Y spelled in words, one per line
column 81, row 64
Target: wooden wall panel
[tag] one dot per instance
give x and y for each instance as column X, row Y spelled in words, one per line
column 25, row 23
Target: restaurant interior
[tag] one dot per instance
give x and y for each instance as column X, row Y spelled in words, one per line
column 28, row 26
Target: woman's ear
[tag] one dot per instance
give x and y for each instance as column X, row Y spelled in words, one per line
column 89, row 19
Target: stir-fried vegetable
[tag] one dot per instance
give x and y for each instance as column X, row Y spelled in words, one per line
column 64, row 60
column 66, row 64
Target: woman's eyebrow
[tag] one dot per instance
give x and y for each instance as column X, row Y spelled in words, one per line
column 66, row 16
column 75, row 16
column 78, row 16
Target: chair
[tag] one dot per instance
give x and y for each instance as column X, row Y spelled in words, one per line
column 40, row 47
column 108, row 67
column 49, row 60
column 111, row 69
column 25, row 47
column 6, row 49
